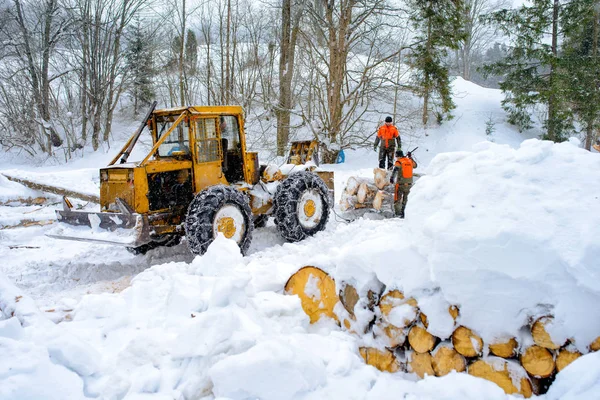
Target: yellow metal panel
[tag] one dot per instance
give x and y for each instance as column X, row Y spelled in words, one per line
column 141, row 204
column 251, row 165
column 208, row 174
column 119, row 184
column 166, row 165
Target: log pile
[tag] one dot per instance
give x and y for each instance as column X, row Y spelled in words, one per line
column 376, row 195
column 407, row 345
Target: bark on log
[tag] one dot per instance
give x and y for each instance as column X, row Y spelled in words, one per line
column 54, row 190
column 566, row 357
column 504, row 374
column 540, row 334
column 381, row 178
column 420, row 364
column 505, row 349
column 349, row 297
column 420, row 340
column 446, row 359
column 463, row 341
column 383, row 360
column 316, row 290
column 538, row 361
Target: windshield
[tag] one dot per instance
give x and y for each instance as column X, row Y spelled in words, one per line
column 178, row 139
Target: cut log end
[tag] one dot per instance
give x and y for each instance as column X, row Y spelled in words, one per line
column 420, row 340
column 538, row 361
column 316, row 290
column 595, row 345
column 466, row 342
column 506, row 349
column 383, row 360
column 446, row 360
column 498, row 371
column 566, row 357
column 420, row 364
column 397, row 310
column 540, row 334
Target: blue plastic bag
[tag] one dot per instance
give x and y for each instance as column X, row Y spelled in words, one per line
column 341, row 157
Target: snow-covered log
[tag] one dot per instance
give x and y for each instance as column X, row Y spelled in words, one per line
column 504, row 348
column 420, row 340
column 507, row 374
column 538, row 361
column 541, row 335
column 445, row 360
column 383, row 360
column 420, row 364
column 565, row 357
column 466, row 342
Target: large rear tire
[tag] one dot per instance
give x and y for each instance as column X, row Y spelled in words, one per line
column 216, row 209
column 301, row 206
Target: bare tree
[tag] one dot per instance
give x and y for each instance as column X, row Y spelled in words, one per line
column 344, row 87
column 290, row 27
column 478, row 34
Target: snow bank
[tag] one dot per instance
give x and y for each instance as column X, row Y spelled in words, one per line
column 505, row 234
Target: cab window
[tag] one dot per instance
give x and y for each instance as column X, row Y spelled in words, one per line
column 230, row 130
column 178, row 140
column 207, row 140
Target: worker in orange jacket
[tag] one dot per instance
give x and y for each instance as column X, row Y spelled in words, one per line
column 389, row 137
column 403, row 167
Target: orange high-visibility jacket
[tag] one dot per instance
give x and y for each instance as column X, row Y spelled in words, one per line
column 403, row 167
column 386, row 133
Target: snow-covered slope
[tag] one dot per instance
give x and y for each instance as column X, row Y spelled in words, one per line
column 505, row 231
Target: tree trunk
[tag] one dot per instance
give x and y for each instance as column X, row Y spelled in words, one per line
column 181, row 56
column 427, row 79
column 552, row 99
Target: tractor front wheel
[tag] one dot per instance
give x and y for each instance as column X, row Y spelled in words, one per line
column 301, row 205
column 217, row 209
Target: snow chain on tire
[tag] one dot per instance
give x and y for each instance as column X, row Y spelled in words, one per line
column 200, row 219
column 296, row 196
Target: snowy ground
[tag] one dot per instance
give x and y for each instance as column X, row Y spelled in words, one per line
column 506, row 230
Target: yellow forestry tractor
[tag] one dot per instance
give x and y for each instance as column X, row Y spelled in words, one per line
column 199, row 179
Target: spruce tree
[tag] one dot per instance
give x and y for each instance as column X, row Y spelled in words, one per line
column 533, row 71
column 140, row 66
column 582, row 60
column 438, row 25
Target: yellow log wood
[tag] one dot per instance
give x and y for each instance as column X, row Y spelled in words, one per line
column 505, row 349
column 454, row 312
column 538, row 361
column 565, row 357
column 466, row 342
column 316, row 290
column 383, row 360
column 396, row 336
column 420, row 364
column 446, row 359
column 420, row 340
column 393, row 299
column 541, row 337
column 595, row 346
column 380, row 178
column 500, row 374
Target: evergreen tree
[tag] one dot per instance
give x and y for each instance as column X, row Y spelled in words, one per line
column 140, row 66
column 191, row 53
column 533, row 70
column 582, row 60
column 438, row 25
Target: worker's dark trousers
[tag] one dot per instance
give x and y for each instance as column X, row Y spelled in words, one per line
column 401, row 198
column 386, row 153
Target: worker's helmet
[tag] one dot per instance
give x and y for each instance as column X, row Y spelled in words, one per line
column 399, row 153
column 388, row 119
